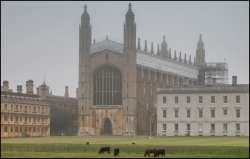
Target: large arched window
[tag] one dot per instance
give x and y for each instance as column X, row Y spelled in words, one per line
column 107, row 86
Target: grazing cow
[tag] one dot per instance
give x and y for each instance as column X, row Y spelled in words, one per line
column 159, row 152
column 104, row 149
column 116, row 151
column 148, row 152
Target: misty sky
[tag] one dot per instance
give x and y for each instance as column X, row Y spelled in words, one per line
column 39, row 40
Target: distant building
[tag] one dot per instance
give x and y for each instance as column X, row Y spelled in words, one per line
column 216, row 73
column 221, row 110
column 24, row 114
column 40, row 114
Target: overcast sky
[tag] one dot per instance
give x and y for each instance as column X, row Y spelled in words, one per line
column 39, row 40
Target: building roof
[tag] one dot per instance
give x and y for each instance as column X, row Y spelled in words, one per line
column 150, row 60
column 19, row 94
column 223, row 88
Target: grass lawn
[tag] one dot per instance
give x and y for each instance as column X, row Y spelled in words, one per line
column 215, row 147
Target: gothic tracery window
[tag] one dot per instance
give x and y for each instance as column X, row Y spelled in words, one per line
column 107, row 86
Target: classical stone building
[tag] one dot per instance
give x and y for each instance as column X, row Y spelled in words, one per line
column 118, row 82
column 23, row 114
column 40, row 114
column 221, row 110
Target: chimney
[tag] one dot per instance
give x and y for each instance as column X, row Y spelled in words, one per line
column 66, row 93
column 5, row 86
column 19, row 89
column 29, row 87
column 234, row 80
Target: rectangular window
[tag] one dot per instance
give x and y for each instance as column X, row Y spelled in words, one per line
column 200, row 113
column 200, row 99
column 5, row 106
column 212, row 99
column 6, row 118
column 225, row 127
column 176, row 127
column 188, row 99
column 164, row 113
column 16, row 108
column 238, row 113
column 176, row 99
column 212, row 127
column 176, row 113
column 212, row 113
column 164, row 127
column 188, row 113
column 237, row 99
column 225, row 111
column 188, row 127
column 225, row 99
column 164, row 100
column 237, row 127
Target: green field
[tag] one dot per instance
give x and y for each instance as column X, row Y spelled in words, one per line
column 215, row 147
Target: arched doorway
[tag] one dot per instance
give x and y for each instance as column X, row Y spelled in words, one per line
column 107, row 127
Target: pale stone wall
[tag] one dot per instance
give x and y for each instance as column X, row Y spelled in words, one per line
column 24, row 114
column 206, row 120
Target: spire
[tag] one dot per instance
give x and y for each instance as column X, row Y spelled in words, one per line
column 185, row 58
column 85, row 16
column 190, row 62
column 164, row 47
column 85, row 32
column 139, row 44
column 130, row 29
column 180, row 57
column 175, row 56
column 200, row 52
column 146, row 48
column 130, row 15
column 152, row 48
column 158, row 49
column 169, row 53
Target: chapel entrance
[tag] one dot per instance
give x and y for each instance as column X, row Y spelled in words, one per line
column 107, row 127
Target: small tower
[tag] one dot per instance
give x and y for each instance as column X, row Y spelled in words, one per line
column 139, row 44
column 19, row 89
column 146, row 47
column 5, row 86
column 200, row 53
column 169, row 53
column 43, row 90
column 185, row 58
column 152, row 48
column 164, row 47
column 190, row 61
column 158, row 49
column 180, row 57
column 29, row 87
column 66, row 93
column 175, row 56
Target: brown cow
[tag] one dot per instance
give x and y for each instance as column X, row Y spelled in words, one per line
column 159, row 152
column 104, row 149
column 148, row 152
